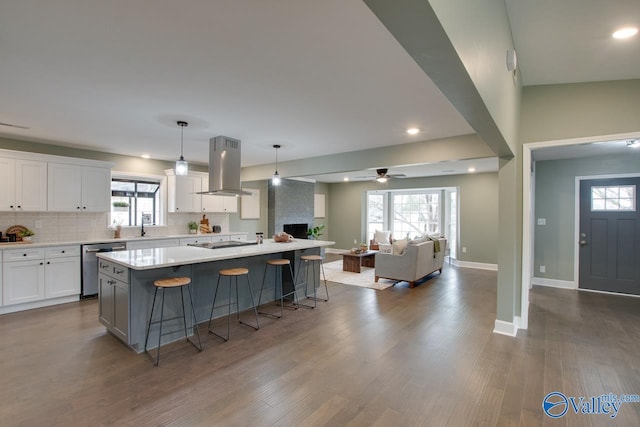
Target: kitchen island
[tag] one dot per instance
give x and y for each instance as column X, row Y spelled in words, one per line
column 126, row 282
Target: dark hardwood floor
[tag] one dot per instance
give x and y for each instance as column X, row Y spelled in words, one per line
column 405, row 357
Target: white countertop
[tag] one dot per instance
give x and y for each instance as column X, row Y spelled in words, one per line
column 22, row 245
column 148, row 259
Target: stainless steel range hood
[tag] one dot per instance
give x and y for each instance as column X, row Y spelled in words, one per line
column 224, row 167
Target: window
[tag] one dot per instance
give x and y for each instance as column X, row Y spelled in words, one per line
column 413, row 212
column 375, row 214
column 130, row 198
column 416, row 214
column 613, row 198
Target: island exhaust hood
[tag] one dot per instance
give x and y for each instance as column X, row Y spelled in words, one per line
column 224, row 167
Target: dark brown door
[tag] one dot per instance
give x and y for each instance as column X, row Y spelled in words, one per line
column 610, row 235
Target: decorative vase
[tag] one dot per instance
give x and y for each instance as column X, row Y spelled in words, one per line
column 192, row 231
column 116, row 232
column 27, row 239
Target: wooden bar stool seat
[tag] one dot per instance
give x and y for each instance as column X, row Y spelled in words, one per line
column 169, row 283
column 233, row 273
column 278, row 263
column 315, row 260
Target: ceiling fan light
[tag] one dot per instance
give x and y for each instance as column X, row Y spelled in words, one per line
column 413, row 131
column 381, row 179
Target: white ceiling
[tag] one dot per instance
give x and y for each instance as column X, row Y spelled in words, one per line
column 315, row 77
column 569, row 41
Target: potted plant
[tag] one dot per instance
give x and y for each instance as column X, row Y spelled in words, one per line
column 26, row 235
column 315, row 232
column 120, row 206
column 193, row 227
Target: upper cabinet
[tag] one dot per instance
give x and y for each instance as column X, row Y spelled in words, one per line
column 211, row 203
column 183, row 195
column 73, row 188
column 23, row 185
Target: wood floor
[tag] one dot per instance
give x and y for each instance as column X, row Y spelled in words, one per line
column 398, row 357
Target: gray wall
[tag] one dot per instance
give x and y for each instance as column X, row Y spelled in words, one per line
column 478, row 195
column 555, row 201
column 290, row 203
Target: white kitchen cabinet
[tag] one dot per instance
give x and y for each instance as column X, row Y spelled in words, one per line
column 223, row 204
column 34, row 274
column 193, row 240
column 23, row 185
column 182, row 193
column 23, row 281
column 238, row 237
column 74, row 188
column 218, row 238
column 1, row 304
column 62, row 271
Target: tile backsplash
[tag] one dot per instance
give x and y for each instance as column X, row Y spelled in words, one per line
column 78, row 226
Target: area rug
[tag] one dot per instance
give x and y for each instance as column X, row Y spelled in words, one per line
column 365, row 279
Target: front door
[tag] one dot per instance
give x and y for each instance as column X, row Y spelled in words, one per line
column 610, row 235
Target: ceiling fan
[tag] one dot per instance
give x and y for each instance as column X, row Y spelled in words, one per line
column 382, row 175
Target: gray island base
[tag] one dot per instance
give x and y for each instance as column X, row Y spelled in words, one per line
column 126, row 284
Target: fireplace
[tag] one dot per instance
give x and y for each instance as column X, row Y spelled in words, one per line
column 298, row 231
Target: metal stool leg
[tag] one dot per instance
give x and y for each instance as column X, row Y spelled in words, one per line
column 324, row 278
column 160, row 332
column 264, row 276
column 146, row 340
column 213, row 306
column 195, row 321
column 253, row 303
column 306, row 284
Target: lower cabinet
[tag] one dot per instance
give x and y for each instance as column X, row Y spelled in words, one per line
column 62, row 277
column 113, row 298
column 23, row 281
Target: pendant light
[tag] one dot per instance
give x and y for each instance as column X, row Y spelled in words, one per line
column 275, row 179
column 182, row 167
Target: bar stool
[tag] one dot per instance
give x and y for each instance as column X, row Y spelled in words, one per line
column 278, row 263
column 231, row 273
column 314, row 260
column 174, row 282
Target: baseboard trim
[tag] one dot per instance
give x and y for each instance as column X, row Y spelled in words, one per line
column 476, row 265
column 38, row 304
column 554, row 283
column 609, row 293
column 506, row 328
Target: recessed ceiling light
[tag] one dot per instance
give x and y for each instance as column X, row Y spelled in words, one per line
column 471, row 170
column 625, row 33
column 146, row 156
column 413, row 131
column 345, row 179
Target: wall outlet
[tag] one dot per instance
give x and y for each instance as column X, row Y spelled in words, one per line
column 543, row 269
column 355, row 241
column 38, row 224
column 542, row 221
column 464, row 249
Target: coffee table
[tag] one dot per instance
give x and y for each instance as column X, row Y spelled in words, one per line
column 353, row 262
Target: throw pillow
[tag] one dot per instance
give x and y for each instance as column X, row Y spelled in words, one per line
column 381, row 236
column 399, row 246
column 386, row 248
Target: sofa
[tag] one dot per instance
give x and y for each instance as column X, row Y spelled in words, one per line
column 416, row 261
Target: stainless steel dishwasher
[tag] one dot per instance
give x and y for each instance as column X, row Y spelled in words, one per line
column 90, row 265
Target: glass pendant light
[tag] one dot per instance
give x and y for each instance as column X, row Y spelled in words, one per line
column 182, row 167
column 275, row 179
